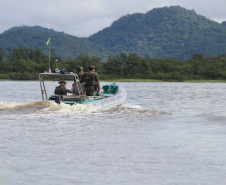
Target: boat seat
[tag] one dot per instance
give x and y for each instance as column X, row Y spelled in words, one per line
column 71, row 97
column 108, row 94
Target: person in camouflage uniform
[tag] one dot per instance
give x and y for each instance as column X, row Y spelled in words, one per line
column 61, row 89
column 91, row 80
column 80, row 71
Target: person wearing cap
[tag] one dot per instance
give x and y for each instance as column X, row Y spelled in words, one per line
column 91, row 80
column 61, row 89
column 80, row 71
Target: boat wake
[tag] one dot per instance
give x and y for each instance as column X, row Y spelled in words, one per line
column 24, row 108
column 48, row 107
column 68, row 109
column 212, row 119
column 135, row 109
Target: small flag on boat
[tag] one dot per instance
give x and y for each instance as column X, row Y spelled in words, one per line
column 48, row 42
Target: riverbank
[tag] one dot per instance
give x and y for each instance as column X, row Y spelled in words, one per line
column 132, row 80
column 153, row 80
column 138, row 80
column 204, row 81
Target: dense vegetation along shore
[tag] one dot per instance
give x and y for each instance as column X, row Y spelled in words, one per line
column 25, row 64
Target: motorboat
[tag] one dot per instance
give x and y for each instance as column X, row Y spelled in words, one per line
column 110, row 95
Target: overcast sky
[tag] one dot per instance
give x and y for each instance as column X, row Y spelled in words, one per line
column 86, row 17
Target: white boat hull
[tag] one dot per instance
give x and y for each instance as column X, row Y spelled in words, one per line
column 113, row 100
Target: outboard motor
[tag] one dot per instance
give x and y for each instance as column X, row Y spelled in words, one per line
column 57, row 98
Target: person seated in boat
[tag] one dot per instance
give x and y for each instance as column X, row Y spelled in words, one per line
column 79, row 73
column 91, row 80
column 61, row 89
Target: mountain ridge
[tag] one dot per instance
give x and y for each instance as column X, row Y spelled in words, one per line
column 164, row 32
column 168, row 32
column 34, row 28
column 65, row 45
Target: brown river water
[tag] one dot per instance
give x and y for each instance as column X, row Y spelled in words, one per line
column 163, row 134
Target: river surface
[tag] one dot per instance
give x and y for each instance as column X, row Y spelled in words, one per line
column 163, row 134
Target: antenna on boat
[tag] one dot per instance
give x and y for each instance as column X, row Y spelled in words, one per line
column 48, row 44
column 56, row 65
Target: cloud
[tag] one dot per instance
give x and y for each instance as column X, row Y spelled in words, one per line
column 83, row 18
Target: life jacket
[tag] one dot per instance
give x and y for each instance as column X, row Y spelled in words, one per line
column 90, row 78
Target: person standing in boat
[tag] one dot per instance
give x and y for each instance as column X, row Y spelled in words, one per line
column 91, row 80
column 61, row 89
column 79, row 73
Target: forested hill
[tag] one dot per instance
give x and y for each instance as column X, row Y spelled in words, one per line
column 169, row 32
column 66, row 46
column 164, row 32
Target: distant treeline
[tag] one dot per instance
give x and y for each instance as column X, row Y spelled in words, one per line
column 25, row 64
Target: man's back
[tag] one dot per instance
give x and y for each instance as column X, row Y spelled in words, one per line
column 90, row 78
column 61, row 90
